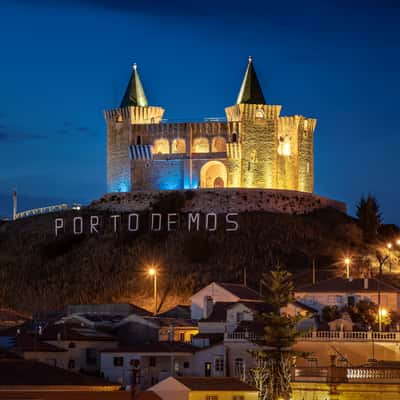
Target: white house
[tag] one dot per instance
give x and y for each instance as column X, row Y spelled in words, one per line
column 340, row 292
column 217, row 292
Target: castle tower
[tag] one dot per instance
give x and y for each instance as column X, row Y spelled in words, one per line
column 121, row 133
column 256, row 123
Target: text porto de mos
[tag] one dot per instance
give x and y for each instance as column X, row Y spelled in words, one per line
column 151, row 222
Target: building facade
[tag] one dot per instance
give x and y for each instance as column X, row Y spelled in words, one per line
column 255, row 147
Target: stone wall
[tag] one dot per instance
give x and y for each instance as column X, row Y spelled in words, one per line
column 224, row 200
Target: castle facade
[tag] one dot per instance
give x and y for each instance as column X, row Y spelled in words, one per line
column 255, row 148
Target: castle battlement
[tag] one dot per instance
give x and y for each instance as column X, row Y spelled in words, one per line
column 255, row 148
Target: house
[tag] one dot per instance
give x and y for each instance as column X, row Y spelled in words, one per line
column 122, row 309
column 341, row 292
column 198, row 388
column 136, row 329
column 217, row 292
column 28, row 379
column 150, row 363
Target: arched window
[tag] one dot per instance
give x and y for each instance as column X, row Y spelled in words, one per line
column 218, row 145
column 284, row 146
column 201, row 145
column 260, row 114
column 161, row 146
column 179, row 146
column 234, row 137
column 138, row 140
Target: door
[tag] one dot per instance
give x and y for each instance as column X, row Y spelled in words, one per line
column 207, row 369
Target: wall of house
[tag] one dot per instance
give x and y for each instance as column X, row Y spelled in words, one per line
column 237, row 313
column 344, row 391
column 165, row 365
column 78, row 352
column 206, row 355
column 223, row 395
column 55, row 359
column 318, row 301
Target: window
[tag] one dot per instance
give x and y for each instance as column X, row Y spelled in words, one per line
column 118, row 361
column 186, row 364
column 351, row 301
column 238, row 366
column 284, row 148
column 71, row 364
column 332, row 300
column 207, row 369
column 152, row 362
column 182, row 337
column 201, row 145
column 138, row 140
column 219, row 364
column 91, row 356
column 260, row 113
column 218, row 145
column 178, row 146
column 211, row 397
column 239, row 317
column 161, row 146
column 308, row 167
column 234, row 137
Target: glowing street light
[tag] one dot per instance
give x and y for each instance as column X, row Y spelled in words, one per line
column 389, row 245
column 382, row 313
column 398, row 242
column 347, row 262
column 153, row 272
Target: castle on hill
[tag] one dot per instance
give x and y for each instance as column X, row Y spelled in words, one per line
column 255, row 148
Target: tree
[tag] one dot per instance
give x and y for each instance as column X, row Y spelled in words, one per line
column 330, row 313
column 369, row 217
column 274, row 358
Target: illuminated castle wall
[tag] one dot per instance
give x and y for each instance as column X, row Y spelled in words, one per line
column 255, row 148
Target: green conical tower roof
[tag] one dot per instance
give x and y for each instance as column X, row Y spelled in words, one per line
column 134, row 94
column 250, row 91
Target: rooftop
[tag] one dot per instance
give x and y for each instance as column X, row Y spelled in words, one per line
column 241, row 291
column 159, row 347
column 214, row 384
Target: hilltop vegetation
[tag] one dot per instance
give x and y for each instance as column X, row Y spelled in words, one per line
column 39, row 271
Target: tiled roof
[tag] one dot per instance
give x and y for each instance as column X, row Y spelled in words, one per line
column 348, row 285
column 241, row 291
column 147, row 395
column 214, row 384
column 75, row 333
column 159, row 347
column 26, row 372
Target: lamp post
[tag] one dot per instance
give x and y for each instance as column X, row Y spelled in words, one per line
column 389, row 246
column 382, row 313
column 153, row 273
column 347, row 262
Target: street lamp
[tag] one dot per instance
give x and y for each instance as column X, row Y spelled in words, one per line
column 398, row 242
column 382, row 313
column 153, row 272
column 347, row 262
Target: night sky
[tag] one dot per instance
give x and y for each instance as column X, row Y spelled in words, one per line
column 63, row 62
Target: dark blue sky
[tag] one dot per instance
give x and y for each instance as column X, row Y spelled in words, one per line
column 63, row 62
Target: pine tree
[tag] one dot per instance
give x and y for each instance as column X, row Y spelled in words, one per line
column 369, row 217
column 274, row 359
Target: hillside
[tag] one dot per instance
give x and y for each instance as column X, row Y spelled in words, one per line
column 39, row 271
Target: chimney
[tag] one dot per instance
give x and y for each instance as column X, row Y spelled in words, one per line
column 207, row 306
column 365, row 283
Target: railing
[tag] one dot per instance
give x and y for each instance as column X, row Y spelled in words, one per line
column 42, row 210
column 356, row 336
column 346, row 374
column 241, row 336
column 326, row 336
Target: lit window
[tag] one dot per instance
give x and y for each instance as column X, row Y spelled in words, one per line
column 260, row 113
column 201, row 145
column 211, row 397
column 284, row 146
column 218, row 145
column 179, row 146
column 161, row 146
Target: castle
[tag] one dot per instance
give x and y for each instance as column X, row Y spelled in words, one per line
column 255, row 148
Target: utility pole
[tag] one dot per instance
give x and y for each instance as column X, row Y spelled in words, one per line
column 313, row 272
column 14, row 205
